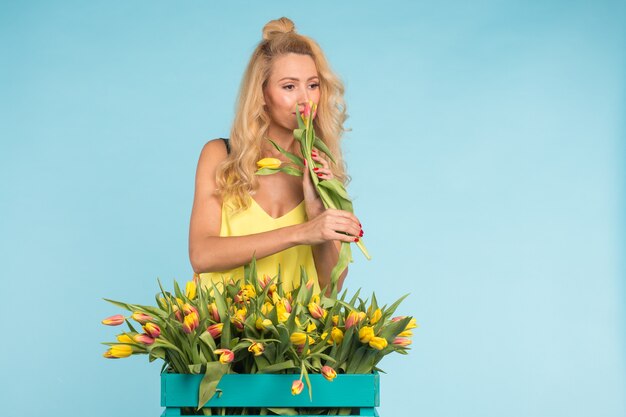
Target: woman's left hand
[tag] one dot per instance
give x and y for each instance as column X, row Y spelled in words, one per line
column 312, row 201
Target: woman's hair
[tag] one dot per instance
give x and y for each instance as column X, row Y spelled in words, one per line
column 236, row 180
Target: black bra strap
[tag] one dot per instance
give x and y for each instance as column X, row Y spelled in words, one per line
column 227, row 144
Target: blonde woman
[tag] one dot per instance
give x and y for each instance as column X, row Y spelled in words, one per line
column 278, row 219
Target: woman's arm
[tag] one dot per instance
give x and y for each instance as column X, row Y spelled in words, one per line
column 209, row 252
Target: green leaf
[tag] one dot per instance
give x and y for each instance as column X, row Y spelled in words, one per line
column 277, row 367
column 335, row 186
column 267, row 171
column 319, row 144
column 295, row 172
column 293, row 157
column 208, row 385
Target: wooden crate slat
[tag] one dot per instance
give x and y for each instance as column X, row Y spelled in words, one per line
column 265, row 390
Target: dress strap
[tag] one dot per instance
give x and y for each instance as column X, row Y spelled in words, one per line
column 227, row 144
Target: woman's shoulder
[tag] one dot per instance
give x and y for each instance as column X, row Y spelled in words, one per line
column 215, row 150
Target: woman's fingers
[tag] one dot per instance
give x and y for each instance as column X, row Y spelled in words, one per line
column 323, row 172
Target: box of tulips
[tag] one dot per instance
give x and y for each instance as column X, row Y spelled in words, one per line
column 250, row 348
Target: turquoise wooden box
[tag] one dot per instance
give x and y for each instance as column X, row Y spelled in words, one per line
column 355, row 391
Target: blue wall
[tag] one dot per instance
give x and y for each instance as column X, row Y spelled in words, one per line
column 487, row 160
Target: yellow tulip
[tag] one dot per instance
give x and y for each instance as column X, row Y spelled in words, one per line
column 336, row 335
column 336, row 320
column 262, row 324
column 366, row 334
column 124, row 338
column 376, row 316
column 120, row 351
column 190, row 290
column 256, row 348
column 311, row 327
column 299, row 339
column 406, row 333
column 378, row 343
column 273, row 163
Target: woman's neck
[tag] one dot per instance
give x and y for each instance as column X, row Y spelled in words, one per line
column 282, row 137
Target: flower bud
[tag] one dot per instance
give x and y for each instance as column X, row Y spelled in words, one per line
column 225, row 355
column 296, row 387
column 376, row 316
column 378, row 343
column 328, row 373
column 336, row 335
column 115, row 320
column 190, row 290
column 119, row 351
column 143, row 338
column 401, row 341
column 124, row 338
column 215, row 315
column 215, row 330
column 152, row 329
column 272, row 163
column 316, row 311
column 141, row 318
column 256, row 348
column 366, row 334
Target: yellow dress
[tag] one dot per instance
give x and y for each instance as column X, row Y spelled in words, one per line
column 255, row 220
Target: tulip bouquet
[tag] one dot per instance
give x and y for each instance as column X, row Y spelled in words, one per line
column 253, row 326
column 332, row 191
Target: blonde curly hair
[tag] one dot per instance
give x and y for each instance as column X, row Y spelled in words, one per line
column 236, row 180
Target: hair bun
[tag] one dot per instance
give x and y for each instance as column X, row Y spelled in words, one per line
column 278, row 27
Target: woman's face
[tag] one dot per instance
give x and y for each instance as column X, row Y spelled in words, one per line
column 293, row 80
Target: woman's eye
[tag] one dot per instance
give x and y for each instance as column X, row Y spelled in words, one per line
column 314, row 85
column 289, row 87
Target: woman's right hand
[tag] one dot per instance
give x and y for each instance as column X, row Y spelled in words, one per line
column 330, row 225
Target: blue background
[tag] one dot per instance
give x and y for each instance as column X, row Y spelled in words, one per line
column 487, row 156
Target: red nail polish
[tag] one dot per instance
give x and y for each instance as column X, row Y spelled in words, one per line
column 356, row 239
column 361, row 234
column 315, row 169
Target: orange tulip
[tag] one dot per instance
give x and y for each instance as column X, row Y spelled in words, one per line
column 401, row 341
column 256, row 348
